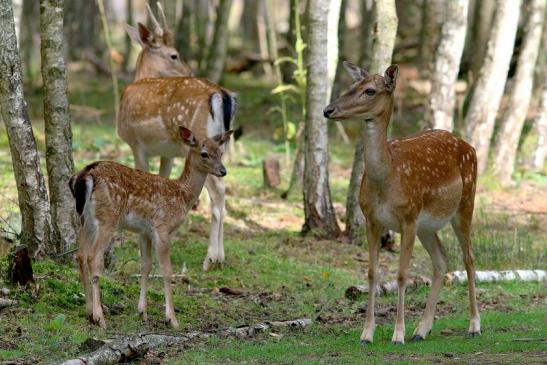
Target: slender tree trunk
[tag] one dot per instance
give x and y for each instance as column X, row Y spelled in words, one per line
column 367, row 27
column 478, row 39
column 540, row 129
column 432, row 14
column 507, row 141
column 385, row 26
column 442, row 99
column 202, row 27
column 28, row 31
column 488, row 91
column 57, row 122
column 128, row 46
column 337, row 85
column 31, row 187
column 318, row 208
column 219, row 46
column 82, row 28
column 183, row 34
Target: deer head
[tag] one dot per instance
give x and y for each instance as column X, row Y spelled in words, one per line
column 158, row 57
column 207, row 152
column 369, row 97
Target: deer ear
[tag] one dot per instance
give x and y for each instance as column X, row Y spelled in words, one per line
column 356, row 73
column 223, row 137
column 188, row 137
column 390, row 76
column 168, row 38
column 145, row 35
column 133, row 34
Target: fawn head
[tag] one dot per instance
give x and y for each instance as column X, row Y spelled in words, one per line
column 207, row 153
column 370, row 95
column 158, row 57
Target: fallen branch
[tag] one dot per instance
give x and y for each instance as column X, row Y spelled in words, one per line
column 387, row 287
column 127, row 348
column 4, row 303
column 460, row 277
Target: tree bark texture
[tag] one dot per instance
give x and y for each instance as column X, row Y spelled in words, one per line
column 540, row 129
column 367, row 24
column 31, row 187
column 432, row 13
column 385, row 30
column 183, row 35
column 318, row 208
column 490, row 85
column 478, row 36
column 219, row 46
column 60, row 165
column 507, row 141
column 446, row 64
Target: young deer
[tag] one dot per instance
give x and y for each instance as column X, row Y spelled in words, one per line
column 413, row 185
column 109, row 195
column 154, row 106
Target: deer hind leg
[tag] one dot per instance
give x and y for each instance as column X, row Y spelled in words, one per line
column 166, row 165
column 141, row 158
column 95, row 262
column 462, row 227
column 408, row 235
column 215, row 253
column 374, row 231
column 162, row 245
column 146, row 264
column 431, row 243
column 81, row 257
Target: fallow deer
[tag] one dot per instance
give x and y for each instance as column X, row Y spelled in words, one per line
column 413, row 185
column 109, row 195
column 154, row 106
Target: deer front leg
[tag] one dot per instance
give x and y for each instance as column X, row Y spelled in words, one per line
column 146, row 264
column 164, row 260
column 166, row 164
column 374, row 231
column 141, row 158
column 215, row 252
column 408, row 235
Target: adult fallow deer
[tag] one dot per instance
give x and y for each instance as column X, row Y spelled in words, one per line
column 154, row 106
column 413, row 185
column 109, row 195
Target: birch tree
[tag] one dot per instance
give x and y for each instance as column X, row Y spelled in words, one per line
column 507, row 141
column 540, row 129
column 488, row 91
column 385, row 30
column 442, row 99
column 57, row 124
column 318, row 208
column 31, row 187
column 219, row 46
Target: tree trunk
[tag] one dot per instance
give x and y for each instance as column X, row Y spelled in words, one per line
column 447, row 58
column 478, row 36
column 337, row 86
column 540, row 129
column 128, row 43
column 507, row 141
column 219, row 46
column 57, row 124
column 367, row 24
column 31, row 187
column 488, row 91
column 183, row 35
column 202, row 27
column 385, row 26
column 318, row 208
column 81, row 19
column 28, row 31
column 432, row 14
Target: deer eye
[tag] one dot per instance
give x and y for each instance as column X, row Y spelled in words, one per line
column 204, row 155
column 369, row 92
column 174, row 56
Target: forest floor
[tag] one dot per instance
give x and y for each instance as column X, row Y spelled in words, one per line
column 280, row 274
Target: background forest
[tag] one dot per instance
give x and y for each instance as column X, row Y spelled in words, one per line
column 477, row 68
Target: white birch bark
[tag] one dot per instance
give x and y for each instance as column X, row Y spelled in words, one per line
column 505, row 149
column 57, row 122
column 318, row 208
column 460, row 277
column 447, row 57
column 490, row 85
column 540, row 129
column 384, row 32
column 31, row 187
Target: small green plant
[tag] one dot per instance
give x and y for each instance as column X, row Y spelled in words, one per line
column 56, row 323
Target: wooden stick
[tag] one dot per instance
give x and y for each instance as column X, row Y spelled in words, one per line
column 126, row 348
column 460, row 277
column 4, row 303
column 387, row 287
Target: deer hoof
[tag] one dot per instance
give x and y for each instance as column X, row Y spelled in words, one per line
column 143, row 316
column 473, row 334
column 366, row 342
column 397, row 343
column 417, row 338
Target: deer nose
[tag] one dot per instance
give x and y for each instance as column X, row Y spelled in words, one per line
column 327, row 112
column 222, row 171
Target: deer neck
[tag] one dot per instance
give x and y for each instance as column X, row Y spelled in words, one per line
column 191, row 181
column 377, row 158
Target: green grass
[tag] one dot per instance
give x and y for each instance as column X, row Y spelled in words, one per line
column 284, row 276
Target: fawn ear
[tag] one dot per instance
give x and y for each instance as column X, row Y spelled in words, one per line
column 188, row 137
column 223, row 137
column 356, row 73
column 146, row 37
column 133, row 34
column 390, row 76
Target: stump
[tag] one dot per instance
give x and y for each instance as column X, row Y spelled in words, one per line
column 20, row 266
column 270, row 169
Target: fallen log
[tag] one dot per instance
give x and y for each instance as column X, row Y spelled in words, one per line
column 4, row 303
column 127, row 348
column 386, row 287
column 460, row 277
